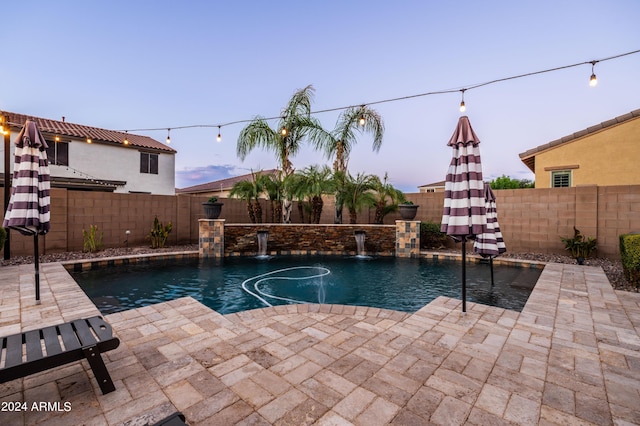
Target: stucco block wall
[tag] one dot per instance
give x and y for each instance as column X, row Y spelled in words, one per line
column 531, row 220
column 607, row 157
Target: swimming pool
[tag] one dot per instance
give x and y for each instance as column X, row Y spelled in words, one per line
column 238, row 284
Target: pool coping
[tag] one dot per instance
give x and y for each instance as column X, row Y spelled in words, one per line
column 95, row 263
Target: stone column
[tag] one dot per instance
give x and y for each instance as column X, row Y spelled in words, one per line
column 211, row 237
column 407, row 238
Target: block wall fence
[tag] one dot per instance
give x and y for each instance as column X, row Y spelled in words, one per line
column 531, row 220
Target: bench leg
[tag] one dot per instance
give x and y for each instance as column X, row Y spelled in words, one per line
column 92, row 355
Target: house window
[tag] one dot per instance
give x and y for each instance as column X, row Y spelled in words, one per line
column 561, row 179
column 148, row 163
column 58, row 153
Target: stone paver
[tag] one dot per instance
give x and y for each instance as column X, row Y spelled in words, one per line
column 572, row 356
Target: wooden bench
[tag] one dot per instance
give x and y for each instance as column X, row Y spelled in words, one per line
column 39, row 350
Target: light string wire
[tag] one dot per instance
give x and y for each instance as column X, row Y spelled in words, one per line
column 401, row 98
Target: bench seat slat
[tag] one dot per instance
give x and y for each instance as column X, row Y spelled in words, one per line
column 101, row 328
column 14, row 350
column 33, row 343
column 84, row 334
column 51, row 341
column 69, row 337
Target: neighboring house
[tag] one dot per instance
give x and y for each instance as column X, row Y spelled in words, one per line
column 220, row 188
column 432, row 187
column 604, row 154
column 92, row 159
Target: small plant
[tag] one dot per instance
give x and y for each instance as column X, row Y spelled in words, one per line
column 212, row 200
column 92, row 240
column 431, row 237
column 630, row 257
column 3, row 237
column 579, row 246
column 407, row 203
column 159, row 233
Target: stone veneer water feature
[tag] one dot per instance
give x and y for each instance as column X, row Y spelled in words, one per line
column 218, row 239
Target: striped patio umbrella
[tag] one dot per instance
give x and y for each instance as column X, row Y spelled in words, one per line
column 28, row 210
column 490, row 244
column 464, row 214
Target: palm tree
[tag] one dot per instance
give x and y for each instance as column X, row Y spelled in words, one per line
column 357, row 194
column 338, row 144
column 387, row 198
column 286, row 140
column 316, row 181
column 250, row 191
column 244, row 190
column 274, row 188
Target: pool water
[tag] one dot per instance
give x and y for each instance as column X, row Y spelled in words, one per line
column 238, row 284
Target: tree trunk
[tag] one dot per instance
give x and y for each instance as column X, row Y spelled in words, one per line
column 353, row 216
column 286, row 211
column 252, row 216
column 337, row 218
column 316, row 209
column 379, row 217
column 257, row 210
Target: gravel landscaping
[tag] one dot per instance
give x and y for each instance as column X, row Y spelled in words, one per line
column 612, row 268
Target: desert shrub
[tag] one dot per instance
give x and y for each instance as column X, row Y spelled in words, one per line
column 630, row 257
column 430, row 236
column 92, row 240
column 159, row 233
column 3, row 237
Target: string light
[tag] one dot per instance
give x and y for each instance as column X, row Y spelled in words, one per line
column 168, row 136
column 463, row 107
column 89, row 140
column 126, row 138
column 284, row 131
column 219, row 138
column 57, row 138
column 593, row 81
column 362, row 120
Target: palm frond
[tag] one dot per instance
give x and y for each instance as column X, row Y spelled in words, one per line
column 257, row 133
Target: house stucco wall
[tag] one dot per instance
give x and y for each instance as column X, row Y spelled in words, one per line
column 607, row 157
column 111, row 162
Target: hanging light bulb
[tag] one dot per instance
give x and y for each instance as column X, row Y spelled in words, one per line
column 593, row 81
column 168, row 136
column 126, row 138
column 219, row 138
column 463, row 107
column 57, row 138
column 362, row 119
column 89, row 140
column 283, row 131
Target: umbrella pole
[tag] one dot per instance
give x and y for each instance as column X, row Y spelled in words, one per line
column 491, row 266
column 464, row 275
column 36, row 259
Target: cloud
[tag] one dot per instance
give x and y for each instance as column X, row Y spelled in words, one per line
column 191, row 176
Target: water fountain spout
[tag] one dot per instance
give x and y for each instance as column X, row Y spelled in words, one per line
column 263, row 236
column 360, row 238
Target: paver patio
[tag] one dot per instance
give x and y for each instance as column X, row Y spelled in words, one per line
column 572, row 356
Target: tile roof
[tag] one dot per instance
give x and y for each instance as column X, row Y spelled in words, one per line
column 528, row 157
column 441, row 183
column 64, row 128
column 221, row 185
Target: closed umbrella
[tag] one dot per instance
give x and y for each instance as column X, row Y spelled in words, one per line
column 464, row 214
column 490, row 244
column 29, row 206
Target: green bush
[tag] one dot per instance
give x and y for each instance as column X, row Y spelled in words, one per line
column 92, row 240
column 630, row 257
column 430, row 236
column 159, row 233
column 3, row 237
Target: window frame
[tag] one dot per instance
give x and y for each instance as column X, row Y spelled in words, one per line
column 149, row 163
column 560, row 174
column 54, row 147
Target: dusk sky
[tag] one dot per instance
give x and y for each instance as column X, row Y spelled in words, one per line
column 128, row 65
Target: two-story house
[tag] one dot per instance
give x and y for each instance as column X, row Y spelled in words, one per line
column 93, row 159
